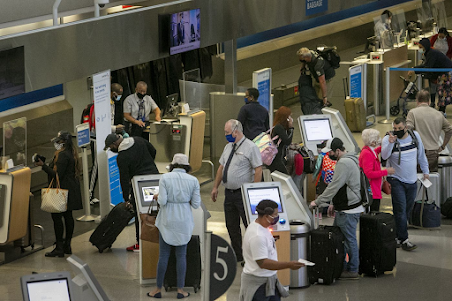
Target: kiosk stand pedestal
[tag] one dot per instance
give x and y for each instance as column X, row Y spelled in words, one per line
column 282, row 242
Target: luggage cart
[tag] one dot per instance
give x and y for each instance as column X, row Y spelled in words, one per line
column 407, row 94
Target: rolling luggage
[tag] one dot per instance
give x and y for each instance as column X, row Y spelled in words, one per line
column 328, row 254
column 377, row 236
column 193, row 273
column 111, row 225
column 355, row 114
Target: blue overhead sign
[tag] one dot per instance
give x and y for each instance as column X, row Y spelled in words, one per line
column 316, row 6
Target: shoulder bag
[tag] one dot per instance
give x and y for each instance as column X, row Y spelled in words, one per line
column 54, row 200
column 149, row 231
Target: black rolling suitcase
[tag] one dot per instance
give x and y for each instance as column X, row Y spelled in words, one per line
column 111, row 225
column 377, row 252
column 193, row 274
column 328, row 254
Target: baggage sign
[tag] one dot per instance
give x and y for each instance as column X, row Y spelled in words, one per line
column 82, row 134
column 316, row 6
column 262, row 81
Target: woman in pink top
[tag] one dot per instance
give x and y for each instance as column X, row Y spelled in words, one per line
column 370, row 163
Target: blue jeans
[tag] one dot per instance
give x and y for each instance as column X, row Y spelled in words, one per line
column 403, row 196
column 181, row 262
column 348, row 223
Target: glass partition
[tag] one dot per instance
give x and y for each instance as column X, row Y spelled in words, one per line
column 15, row 140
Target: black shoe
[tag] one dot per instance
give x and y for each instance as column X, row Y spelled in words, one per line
column 57, row 252
column 408, row 246
column 67, row 250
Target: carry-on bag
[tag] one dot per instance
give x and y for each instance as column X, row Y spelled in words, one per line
column 446, row 208
column 193, row 273
column 355, row 111
column 111, row 225
column 377, row 250
column 54, row 200
column 425, row 214
column 149, row 231
column 328, row 254
column 267, row 146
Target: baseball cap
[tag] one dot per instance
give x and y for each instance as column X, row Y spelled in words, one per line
column 63, row 136
column 180, row 159
column 332, row 144
column 111, row 138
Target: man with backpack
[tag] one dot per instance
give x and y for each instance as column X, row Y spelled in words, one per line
column 345, row 192
column 322, row 71
column 403, row 150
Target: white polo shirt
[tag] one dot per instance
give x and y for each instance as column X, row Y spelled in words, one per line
column 132, row 105
column 258, row 244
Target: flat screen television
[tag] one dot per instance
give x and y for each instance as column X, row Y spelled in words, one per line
column 184, row 31
column 12, row 72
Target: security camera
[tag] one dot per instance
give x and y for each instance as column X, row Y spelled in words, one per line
column 102, row 3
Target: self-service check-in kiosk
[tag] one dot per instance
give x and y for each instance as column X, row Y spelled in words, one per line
column 144, row 188
column 252, row 194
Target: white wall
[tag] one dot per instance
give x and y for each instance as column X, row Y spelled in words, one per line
column 79, row 96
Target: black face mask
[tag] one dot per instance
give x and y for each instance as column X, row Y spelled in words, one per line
column 140, row 96
column 302, row 61
column 333, row 157
column 400, row 133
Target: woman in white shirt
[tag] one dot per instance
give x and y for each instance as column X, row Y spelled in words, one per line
column 178, row 192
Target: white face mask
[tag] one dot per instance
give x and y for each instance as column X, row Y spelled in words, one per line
column 58, row 146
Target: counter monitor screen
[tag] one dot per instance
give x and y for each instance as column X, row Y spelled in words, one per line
column 185, row 31
column 317, row 129
column 148, row 190
column 255, row 195
column 54, row 286
column 12, row 72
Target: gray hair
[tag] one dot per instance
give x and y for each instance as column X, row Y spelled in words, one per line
column 304, row 52
column 371, row 136
column 423, row 96
column 235, row 125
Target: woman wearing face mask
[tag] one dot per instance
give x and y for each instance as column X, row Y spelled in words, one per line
column 283, row 128
column 64, row 164
column 435, row 59
column 442, row 41
column 370, row 163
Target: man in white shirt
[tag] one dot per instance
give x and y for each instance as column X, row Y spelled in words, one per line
column 259, row 280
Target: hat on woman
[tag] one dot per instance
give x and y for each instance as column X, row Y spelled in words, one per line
column 180, row 159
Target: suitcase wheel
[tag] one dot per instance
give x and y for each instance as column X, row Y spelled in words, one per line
column 196, row 288
column 101, row 251
column 405, row 113
column 395, row 110
column 166, row 288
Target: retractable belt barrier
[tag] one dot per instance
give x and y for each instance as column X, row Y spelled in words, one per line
column 388, row 88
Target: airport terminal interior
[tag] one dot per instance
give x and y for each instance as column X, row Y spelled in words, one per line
column 423, row 274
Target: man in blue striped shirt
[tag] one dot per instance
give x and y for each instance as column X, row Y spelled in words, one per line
column 404, row 151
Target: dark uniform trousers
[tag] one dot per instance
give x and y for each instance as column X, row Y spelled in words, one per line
column 233, row 211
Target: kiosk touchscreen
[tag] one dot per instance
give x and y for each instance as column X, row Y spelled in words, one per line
column 144, row 188
column 253, row 193
column 47, row 286
column 315, row 130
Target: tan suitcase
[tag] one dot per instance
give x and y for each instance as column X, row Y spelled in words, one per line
column 355, row 114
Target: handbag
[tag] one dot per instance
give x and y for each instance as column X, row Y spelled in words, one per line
column 267, row 146
column 425, row 215
column 54, row 200
column 386, row 187
column 149, row 232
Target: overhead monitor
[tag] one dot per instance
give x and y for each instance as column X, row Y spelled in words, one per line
column 85, row 283
column 315, row 129
column 144, row 188
column 185, row 31
column 253, row 193
column 47, row 286
column 12, row 72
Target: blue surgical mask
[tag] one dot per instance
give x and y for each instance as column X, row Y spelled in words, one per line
column 118, row 97
column 274, row 221
column 246, row 99
column 230, row 138
column 421, row 51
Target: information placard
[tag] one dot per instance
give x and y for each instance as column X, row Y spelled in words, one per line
column 316, row 6
column 116, row 196
column 262, row 81
column 82, row 134
column 356, row 81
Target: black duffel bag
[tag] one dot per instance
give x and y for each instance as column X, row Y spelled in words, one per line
column 446, row 208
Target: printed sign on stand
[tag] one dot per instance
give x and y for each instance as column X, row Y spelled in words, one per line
column 113, row 174
column 82, row 134
column 262, row 81
column 358, row 82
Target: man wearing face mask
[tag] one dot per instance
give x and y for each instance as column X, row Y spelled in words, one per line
column 432, row 59
column 383, row 30
column 403, row 150
column 240, row 163
column 259, row 279
column 135, row 157
column 137, row 108
column 321, row 70
column 253, row 117
column 345, row 192
column 116, row 108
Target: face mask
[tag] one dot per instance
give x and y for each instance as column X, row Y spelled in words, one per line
column 58, row 146
column 274, row 221
column 302, row 61
column 421, row 51
column 333, row 157
column 118, row 97
column 246, row 99
column 388, row 21
column 400, row 133
column 230, row 138
column 140, row 96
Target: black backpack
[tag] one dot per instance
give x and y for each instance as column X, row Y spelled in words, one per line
column 329, row 54
column 365, row 189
